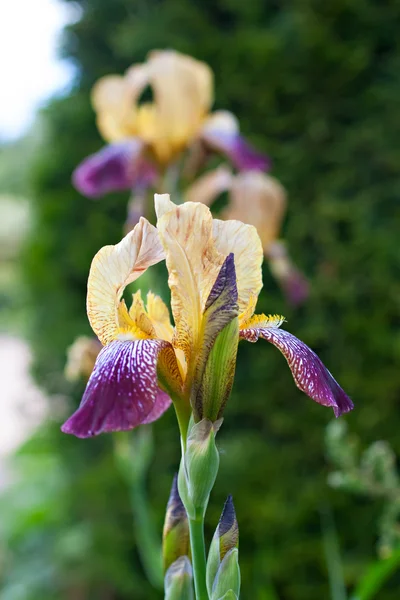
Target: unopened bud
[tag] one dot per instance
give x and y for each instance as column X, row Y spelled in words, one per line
column 216, row 363
column 178, row 580
column 228, row 576
column 226, row 538
column 176, row 541
column 199, row 468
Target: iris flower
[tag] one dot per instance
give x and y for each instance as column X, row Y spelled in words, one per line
column 214, row 272
column 260, row 200
column 145, row 137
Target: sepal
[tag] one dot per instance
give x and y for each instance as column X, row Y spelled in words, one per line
column 178, row 583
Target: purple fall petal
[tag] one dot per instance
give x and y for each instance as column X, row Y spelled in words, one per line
column 237, row 149
column 163, row 402
column 114, row 168
column 309, row 373
column 122, row 391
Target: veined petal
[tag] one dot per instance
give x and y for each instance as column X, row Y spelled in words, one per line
column 122, row 391
column 193, row 265
column 112, row 269
column 309, row 373
column 244, row 242
column 221, row 133
column 114, row 168
column 259, row 200
column 209, row 186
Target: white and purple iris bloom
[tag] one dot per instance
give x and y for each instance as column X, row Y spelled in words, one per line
column 215, row 278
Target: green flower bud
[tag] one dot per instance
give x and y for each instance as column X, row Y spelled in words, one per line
column 226, row 538
column 218, row 376
column 228, row 576
column 176, row 541
column 216, row 361
column 199, row 468
column 178, row 580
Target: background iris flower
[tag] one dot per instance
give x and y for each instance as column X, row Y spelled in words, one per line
column 146, row 137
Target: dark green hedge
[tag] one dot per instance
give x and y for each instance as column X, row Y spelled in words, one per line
column 317, row 86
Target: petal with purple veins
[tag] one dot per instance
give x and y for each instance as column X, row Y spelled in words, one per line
column 309, row 373
column 116, row 167
column 122, row 391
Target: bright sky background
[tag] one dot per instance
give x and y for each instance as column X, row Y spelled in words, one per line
column 29, row 68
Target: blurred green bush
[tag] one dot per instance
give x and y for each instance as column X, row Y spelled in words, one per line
column 317, row 86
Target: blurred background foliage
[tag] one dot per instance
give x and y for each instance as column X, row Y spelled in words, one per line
column 315, row 85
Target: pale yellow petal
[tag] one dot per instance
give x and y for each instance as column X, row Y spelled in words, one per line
column 112, row 269
column 163, row 205
column 193, row 265
column 244, row 242
column 158, row 314
column 209, row 186
column 114, row 104
column 182, row 89
column 139, row 315
column 260, row 200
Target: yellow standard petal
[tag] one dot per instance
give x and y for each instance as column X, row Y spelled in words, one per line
column 244, row 242
column 182, row 88
column 112, row 269
column 193, row 264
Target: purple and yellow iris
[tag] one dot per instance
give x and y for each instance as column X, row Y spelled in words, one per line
column 214, row 272
column 145, row 137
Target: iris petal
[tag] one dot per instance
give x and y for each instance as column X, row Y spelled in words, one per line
column 116, row 167
column 309, row 373
column 122, row 391
column 221, row 133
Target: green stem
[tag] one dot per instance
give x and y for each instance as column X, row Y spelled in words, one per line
column 196, row 528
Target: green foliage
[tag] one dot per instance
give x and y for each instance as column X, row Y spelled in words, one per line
column 316, row 85
column 372, row 473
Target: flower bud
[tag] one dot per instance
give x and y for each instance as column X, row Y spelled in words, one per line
column 226, row 538
column 215, row 367
column 219, row 373
column 176, row 541
column 228, row 576
column 178, row 580
column 199, row 468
